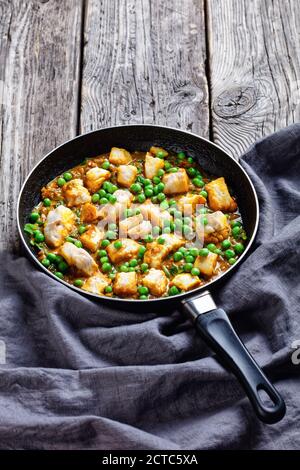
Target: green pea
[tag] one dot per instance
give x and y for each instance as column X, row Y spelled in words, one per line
column 101, row 253
column 105, row 243
column 147, row 182
column 161, row 240
column 194, row 252
column 140, row 179
column 136, row 188
column 187, row 267
column 124, row 268
column 68, row 176
column 239, row 248
column 160, row 154
column 143, row 290
column 112, row 189
column 108, row 290
column 232, row 260
column 61, row 181
column 204, row 252
column 181, row 155
column 78, row 243
column 218, row 251
column 191, row 171
column 105, row 165
column 106, row 267
column 172, row 226
column 141, row 251
column 59, row 274
column 156, row 230
column 226, row 244
column 204, row 194
column 164, row 205
column 173, row 290
column 148, row 239
column 156, row 179
column 195, row 272
column 102, row 193
column 46, row 262
column 178, row 223
column 211, row 247
column 104, row 259
column 82, row 229
column 160, row 187
column 190, row 160
column 168, row 165
column 177, row 256
column 95, row 197
column 103, row 200
column 112, row 198
column 51, row 257
column 187, row 230
column 70, row 239
column 173, row 169
column 133, row 263
column 161, row 197
column 34, row 216
column 144, row 267
column 160, row 172
column 111, row 275
column 117, row 245
column 62, row 266
column 190, row 259
column 148, row 192
column 110, row 235
column 229, row 254
column 203, row 210
column 143, row 297
column 198, row 182
column 112, row 226
column 154, row 199
column 141, row 198
column 47, row 202
column 58, row 259
column 78, row 283
column 235, row 223
column 236, row 231
column 39, row 236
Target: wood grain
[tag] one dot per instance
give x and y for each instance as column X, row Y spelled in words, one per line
column 144, row 62
column 39, row 74
column 254, row 69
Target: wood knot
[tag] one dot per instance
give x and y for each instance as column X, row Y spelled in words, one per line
column 235, row 101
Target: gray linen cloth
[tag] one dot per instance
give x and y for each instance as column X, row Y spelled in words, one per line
column 81, row 375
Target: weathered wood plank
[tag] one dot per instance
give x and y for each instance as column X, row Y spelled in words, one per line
column 144, row 62
column 254, row 69
column 39, row 74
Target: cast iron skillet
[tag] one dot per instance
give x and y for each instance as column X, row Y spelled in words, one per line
column 211, row 322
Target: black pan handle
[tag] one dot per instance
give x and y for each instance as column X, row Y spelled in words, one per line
column 215, row 328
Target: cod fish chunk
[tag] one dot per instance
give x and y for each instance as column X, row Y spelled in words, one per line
column 125, row 284
column 75, row 193
column 79, row 258
column 176, row 183
column 95, row 177
column 58, row 226
column 219, row 198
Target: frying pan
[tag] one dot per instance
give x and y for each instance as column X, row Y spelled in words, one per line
column 212, row 323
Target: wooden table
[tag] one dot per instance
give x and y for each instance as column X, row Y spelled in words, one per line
column 225, row 69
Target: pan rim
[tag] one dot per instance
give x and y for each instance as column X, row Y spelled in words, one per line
column 178, row 297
